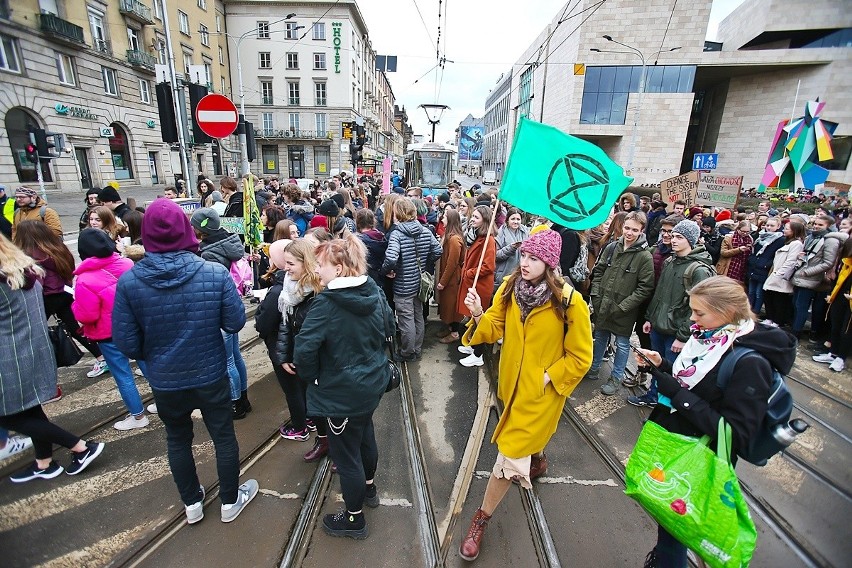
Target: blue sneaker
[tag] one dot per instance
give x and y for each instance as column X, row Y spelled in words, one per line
column 643, row 400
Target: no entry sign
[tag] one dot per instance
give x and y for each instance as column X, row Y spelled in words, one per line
column 216, row 116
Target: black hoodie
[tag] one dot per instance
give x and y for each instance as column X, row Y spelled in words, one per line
column 743, row 402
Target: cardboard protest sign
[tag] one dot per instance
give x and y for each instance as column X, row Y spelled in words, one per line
column 233, row 224
column 680, row 188
column 719, row 191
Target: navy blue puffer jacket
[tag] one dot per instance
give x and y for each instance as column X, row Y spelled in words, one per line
column 169, row 310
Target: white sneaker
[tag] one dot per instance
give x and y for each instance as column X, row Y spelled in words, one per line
column 131, row 423
column 245, row 493
column 138, row 372
column 15, row 445
column 465, row 349
column 825, row 358
column 472, row 361
column 195, row 512
column 98, row 369
column 838, row 365
column 152, row 408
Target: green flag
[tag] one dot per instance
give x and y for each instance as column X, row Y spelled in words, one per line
column 565, row 179
column 251, row 216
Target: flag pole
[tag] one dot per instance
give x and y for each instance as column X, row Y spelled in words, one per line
column 485, row 245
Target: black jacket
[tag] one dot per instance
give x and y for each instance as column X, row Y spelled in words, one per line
column 570, row 247
column 121, row 210
column 222, row 247
column 759, row 265
column 235, row 205
column 267, row 319
column 289, row 327
column 743, row 403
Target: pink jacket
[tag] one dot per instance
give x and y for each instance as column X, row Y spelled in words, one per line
column 94, row 294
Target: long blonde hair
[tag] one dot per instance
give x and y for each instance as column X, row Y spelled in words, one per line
column 14, row 264
column 724, row 296
column 303, row 251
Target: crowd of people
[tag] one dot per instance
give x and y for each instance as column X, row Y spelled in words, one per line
column 156, row 283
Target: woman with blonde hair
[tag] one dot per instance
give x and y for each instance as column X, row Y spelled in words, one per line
column 690, row 400
column 346, row 373
column 28, row 368
column 475, row 240
column 385, row 220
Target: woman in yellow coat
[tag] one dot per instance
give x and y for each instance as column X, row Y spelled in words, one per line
column 546, row 351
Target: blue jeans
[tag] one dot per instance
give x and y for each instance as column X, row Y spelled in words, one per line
column 755, row 294
column 622, row 352
column 662, row 344
column 802, row 298
column 119, row 366
column 236, row 365
column 175, row 410
column 670, row 552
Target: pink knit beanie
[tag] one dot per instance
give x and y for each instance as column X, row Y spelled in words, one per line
column 545, row 245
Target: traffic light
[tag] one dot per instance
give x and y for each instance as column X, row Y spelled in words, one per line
column 251, row 145
column 166, row 109
column 356, row 147
column 32, row 151
column 355, row 154
column 43, row 144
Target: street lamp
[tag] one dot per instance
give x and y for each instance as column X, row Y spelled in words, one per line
column 635, row 51
column 433, row 114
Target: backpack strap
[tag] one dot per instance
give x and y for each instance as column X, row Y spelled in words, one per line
column 42, row 211
column 726, row 369
column 565, row 303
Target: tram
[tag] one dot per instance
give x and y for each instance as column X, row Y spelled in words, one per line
column 431, row 166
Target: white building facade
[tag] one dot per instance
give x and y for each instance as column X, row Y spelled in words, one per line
column 303, row 78
column 496, row 150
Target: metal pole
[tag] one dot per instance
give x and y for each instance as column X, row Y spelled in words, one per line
column 180, row 110
column 41, row 180
column 433, row 130
column 185, row 125
column 636, row 117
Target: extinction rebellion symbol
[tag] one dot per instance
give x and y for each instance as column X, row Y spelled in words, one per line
column 577, row 187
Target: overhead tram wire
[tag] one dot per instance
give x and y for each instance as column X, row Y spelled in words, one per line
column 665, row 33
column 425, row 27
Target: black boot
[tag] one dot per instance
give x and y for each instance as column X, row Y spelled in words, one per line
column 245, row 401
column 237, row 409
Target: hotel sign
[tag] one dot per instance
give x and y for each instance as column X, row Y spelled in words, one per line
column 336, row 42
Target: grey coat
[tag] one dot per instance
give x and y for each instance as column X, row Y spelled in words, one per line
column 820, row 256
column 27, row 364
column 508, row 256
column 401, row 256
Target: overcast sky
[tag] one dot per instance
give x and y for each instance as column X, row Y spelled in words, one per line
column 483, row 38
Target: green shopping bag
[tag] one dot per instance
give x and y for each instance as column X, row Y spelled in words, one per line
column 693, row 493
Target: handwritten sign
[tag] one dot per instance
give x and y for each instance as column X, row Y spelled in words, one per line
column 233, row 225
column 680, row 188
column 718, row 191
column 386, row 176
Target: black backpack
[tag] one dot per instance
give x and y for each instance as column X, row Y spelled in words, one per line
column 778, row 409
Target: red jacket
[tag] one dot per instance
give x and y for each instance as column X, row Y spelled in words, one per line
column 94, row 294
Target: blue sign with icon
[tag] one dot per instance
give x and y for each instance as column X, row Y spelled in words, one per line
column 705, row 161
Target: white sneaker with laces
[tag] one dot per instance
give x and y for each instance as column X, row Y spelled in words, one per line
column 838, row 365
column 472, row 361
column 98, row 369
column 467, row 350
column 15, row 445
column 245, row 493
column 824, row 358
column 195, row 512
column 131, row 423
column 138, row 372
column 152, row 408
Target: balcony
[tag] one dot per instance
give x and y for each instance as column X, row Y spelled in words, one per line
column 102, row 45
column 291, row 134
column 61, row 30
column 141, row 59
column 135, row 10
column 266, row 101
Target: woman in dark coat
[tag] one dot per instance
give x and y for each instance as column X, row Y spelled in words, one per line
column 449, row 280
column 28, row 369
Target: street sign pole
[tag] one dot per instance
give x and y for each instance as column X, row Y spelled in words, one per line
column 178, row 91
column 41, row 180
column 189, row 162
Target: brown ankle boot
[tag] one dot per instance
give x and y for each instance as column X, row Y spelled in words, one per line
column 319, row 450
column 469, row 548
column 538, row 466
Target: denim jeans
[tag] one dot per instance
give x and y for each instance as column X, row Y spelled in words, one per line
column 237, row 372
column 802, row 298
column 670, row 552
column 356, row 455
column 119, row 366
column 755, row 294
column 622, row 352
column 662, row 344
column 175, row 410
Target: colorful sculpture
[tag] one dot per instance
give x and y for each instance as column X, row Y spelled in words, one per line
column 796, row 148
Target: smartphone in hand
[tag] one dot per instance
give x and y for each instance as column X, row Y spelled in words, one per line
column 642, row 356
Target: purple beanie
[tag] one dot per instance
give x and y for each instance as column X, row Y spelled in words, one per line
column 545, row 245
column 166, row 228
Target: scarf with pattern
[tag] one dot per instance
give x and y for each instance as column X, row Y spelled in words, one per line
column 530, row 296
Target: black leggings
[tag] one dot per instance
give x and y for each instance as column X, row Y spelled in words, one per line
column 839, row 317
column 778, row 306
column 59, row 305
column 295, row 392
column 33, row 422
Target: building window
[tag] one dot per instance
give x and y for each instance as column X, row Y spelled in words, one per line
column 133, row 39
column 144, row 91
column 319, row 60
column 319, row 31
column 9, row 55
column 218, row 23
column 290, row 31
column 205, row 35
column 263, row 30
column 202, row 4
column 65, row 69
column 98, row 28
column 221, row 56
column 322, row 123
column 268, row 124
column 183, row 23
column 265, row 60
column 208, row 74
column 292, row 61
column 322, row 158
column 119, row 148
column 110, row 78
column 294, row 121
column 293, row 93
column 222, row 84
column 187, row 61
column 525, row 93
column 269, row 153
column 266, row 93
column 17, row 124
column 842, row 148
column 320, row 94
column 296, row 157
column 158, row 9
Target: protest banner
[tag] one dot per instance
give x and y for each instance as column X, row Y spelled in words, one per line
column 680, row 188
column 715, row 190
column 834, row 189
column 233, row 224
